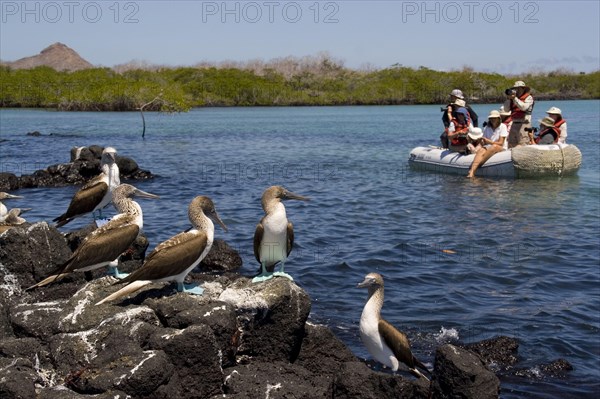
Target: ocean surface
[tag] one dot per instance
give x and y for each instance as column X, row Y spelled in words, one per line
column 463, row 260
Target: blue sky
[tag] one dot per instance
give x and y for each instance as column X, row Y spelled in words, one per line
column 508, row 37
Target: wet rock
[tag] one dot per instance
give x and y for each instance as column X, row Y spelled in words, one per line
column 556, row 369
column 501, row 350
column 8, row 181
column 356, row 380
column 35, row 133
column 221, row 258
column 127, row 166
column 84, row 165
column 460, row 373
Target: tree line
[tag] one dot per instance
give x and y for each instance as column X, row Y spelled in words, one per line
column 328, row 83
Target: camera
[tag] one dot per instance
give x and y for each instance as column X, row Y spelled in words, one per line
column 510, row 92
column 531, row 129
column 485, row 124
column 444, row 109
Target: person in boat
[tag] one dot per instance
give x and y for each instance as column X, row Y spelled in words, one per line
column 559, row 128
column 548, row 132
column 520, row 103
column 506, row 119
column 475, row 140
column 460, row 124
column 495, row 139
column 457, row 94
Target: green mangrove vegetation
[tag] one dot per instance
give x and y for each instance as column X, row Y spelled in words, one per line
column 323, row 83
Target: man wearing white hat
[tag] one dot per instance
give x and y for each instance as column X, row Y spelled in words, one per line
column 560, row 124
column 494, row 138
column 520, row 103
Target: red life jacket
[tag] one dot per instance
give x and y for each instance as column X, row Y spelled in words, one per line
column 515, row 112
column 551, row 129
column 458, row 128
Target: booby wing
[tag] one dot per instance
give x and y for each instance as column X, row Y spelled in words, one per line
column 398, row 342
column 85, row 200
column 290, row 237
column 258, row 236
column 170, row 258
column 103, row 245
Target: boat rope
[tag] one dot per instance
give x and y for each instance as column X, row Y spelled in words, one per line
column 562, row 152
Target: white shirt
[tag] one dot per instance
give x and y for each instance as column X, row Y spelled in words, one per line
column 495, row 134
column 563, row 134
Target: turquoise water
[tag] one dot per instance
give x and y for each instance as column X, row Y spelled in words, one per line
column 526, row 259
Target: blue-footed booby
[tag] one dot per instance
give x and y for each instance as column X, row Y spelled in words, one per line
column 383, row 341
column 274, row 234
column 103, row 246
column 12, row 218
column 4, row 196
column 95, row 194
column 174, row 258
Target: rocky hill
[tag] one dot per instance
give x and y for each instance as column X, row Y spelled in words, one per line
column 57, row 56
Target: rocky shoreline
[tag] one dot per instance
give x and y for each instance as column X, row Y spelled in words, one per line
column 239, row 339
column 84, row 164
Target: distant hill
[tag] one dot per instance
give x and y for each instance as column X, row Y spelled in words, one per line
column 57, row 56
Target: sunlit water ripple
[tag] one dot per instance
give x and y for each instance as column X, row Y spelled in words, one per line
column 472, row 259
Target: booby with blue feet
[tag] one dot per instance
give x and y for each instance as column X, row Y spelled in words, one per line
column 103, row 246
column 274, row 234
column 384, row 342
column 174, row 258
column 95, row 194
column 5, row 196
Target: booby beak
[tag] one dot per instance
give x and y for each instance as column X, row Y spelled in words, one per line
column 215, row 217
column 143, row 194
column 290, row 195
column 23, row 210
column 366, row 282
column 10, row 196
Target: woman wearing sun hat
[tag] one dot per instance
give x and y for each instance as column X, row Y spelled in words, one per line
column 560, row 124
column 494, row 138
column 549, row 134
column 520, row 103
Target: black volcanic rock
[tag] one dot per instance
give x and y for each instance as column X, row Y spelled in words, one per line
column 240, row 339
column 84, row 165
column 460, row 373
column 221, row 258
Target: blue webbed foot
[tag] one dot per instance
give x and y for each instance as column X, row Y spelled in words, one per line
column 193, row 288
column 283, row 274
column 262, row 277
column 113, row 271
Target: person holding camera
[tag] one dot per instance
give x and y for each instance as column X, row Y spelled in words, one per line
column 494, row 139
column 550, row 129
column 520, row 103
column 460, row 124
column 457, row 94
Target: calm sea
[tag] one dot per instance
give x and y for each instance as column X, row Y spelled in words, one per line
column 462, row 260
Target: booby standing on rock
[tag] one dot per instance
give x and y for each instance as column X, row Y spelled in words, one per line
column 383, row 341
column 274, row 234
column 95, row 194
column 3, row 196
column 104, row 245
column 174, row 258
column 12, row 218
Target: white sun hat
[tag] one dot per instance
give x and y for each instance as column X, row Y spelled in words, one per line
column 494, row 114
column 554, row 110
column 457, row 93
column 475, row 133
column 519, row 83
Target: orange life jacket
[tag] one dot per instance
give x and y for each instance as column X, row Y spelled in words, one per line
column 461, row 129
column 516, row 112
column 551, row 129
